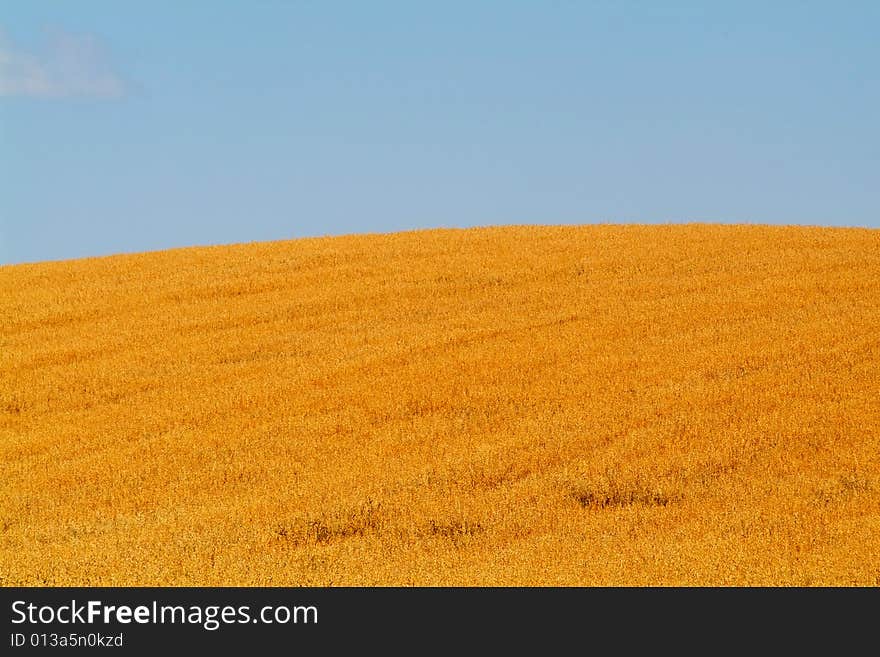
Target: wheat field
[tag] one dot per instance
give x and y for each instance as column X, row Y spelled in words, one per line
column 570, row 405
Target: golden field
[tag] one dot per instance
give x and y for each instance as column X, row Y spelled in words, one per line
column 590, row 405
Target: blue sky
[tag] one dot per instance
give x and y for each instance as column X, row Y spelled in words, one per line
column 139, row 126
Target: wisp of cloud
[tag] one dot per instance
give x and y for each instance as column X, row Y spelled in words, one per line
column 72, row 65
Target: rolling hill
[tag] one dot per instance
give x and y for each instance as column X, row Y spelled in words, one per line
column 579, row 405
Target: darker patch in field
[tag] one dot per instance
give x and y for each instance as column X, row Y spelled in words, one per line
column 12, row 407
column 487, row 479
column 843, row 489
column 456, row 530
column 594, row 499
column 734, row 372
column 328, row 528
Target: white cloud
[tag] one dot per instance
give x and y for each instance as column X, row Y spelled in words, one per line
column 71, row 65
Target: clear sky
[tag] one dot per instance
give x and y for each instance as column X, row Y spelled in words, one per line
column 133, row 126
